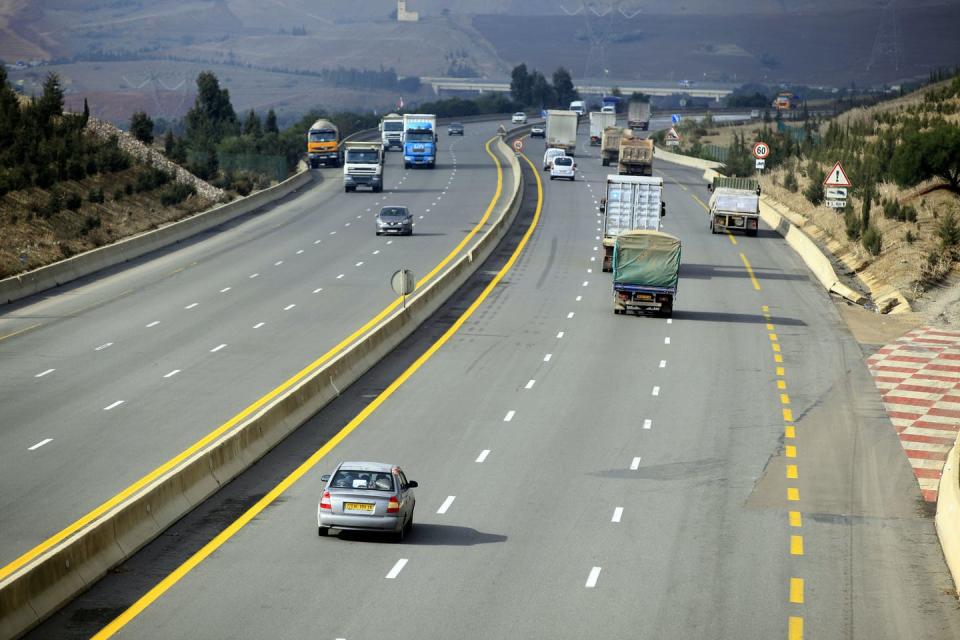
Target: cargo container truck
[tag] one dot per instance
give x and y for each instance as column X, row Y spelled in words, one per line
column 391, row 131
column 362, row 166
column 562, row 130
column 419, row 140
column 631, row 203
column 598, row 122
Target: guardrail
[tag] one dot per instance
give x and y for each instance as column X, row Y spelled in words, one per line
column 56, row 576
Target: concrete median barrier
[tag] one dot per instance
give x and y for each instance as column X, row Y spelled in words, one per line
column 948, row 512
column 51, row 579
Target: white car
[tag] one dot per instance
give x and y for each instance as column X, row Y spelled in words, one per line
column 563, row 167
column 549, row 155
column 519, row 118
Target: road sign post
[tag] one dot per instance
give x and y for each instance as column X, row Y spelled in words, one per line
column 403, row 284
column 835, row 187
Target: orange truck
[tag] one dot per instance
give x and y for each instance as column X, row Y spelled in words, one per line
column 323, row 144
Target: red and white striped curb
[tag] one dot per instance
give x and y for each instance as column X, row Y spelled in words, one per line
column 919, row 379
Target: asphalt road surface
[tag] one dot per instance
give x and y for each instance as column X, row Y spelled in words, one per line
column 119, row 374
column 729, row 473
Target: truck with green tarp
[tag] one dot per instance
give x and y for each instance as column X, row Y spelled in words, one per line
column 646, row 271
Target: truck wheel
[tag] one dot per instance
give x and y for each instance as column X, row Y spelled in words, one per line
column 605, row 162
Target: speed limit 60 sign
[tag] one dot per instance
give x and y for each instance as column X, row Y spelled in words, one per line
column 761, row 150
column 518, row 145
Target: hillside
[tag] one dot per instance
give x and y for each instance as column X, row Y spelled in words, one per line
column 892, row 152
column 70, row 183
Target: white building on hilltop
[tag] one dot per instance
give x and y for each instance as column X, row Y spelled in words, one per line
column 406, row 16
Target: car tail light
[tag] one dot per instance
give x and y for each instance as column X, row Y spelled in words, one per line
column 325, row 501
column 394, row 505
column 624, row 296
column 662, row 297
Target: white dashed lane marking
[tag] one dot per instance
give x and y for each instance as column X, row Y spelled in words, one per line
column 217, row 348
column 40, row 444
column 156, row 322
column 617, row 514
column 593, row 577
column 397, row 568
column 253, row 275
column 258, row 325
column 43, row 373
column 530, row 384
column 225, row 289
column 278, row 263
column 483, row 455
column 172, row 373
column 288, row 307
column 113, row 406
column 635, row 464
column 648, row 423
column 446, row 504
column 656, row 391
column 509, row 416
column 104, row 346
column 190, row 306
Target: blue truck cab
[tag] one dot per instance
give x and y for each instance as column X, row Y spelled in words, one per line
column 419, row 140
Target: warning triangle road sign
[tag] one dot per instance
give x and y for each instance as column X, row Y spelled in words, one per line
column 837, row 177
column 672, row 134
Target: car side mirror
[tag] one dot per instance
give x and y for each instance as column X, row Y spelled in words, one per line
column 663, row 209
column 413, row 484
column 574, row 166
column 710, row 186
column 325, row 477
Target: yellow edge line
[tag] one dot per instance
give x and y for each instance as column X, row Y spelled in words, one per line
column 753, row 278
column 245, row 413
column 19, row 331
column 700, row 202
column 164, row 585
column 733, row 240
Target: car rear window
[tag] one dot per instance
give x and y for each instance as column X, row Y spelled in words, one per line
column 362, row 480
column 563, row 161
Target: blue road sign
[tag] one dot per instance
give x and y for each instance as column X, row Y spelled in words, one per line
column 675, row 118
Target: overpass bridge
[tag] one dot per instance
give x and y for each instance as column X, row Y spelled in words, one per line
column 483, row 86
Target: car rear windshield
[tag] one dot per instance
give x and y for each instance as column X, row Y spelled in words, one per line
column 394, row 212
column 362, row 480
column 563, row 161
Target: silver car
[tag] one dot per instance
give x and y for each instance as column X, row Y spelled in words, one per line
column 397, row 220
column 367, row 496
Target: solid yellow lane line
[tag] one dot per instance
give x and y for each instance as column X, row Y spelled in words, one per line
column 257, row 404
column 19, row 331
column 700, row 202
column 753, row 278
column 733, row 240
column 164, row 585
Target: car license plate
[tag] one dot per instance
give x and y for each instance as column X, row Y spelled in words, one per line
column 362, row 507
column 642, row 296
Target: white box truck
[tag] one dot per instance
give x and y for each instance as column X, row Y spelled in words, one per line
column 598, row 122
column 631, row 203
column 362, row 166
column 562, row 130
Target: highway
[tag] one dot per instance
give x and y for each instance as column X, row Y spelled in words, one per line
column 106, row 380
column 728, row 473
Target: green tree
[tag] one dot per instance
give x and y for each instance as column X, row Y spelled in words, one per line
column 50, row 103
column 865, row 207
column 814, row 190
column 271, row 124
column 541, row 93
column 168, row 142
column 563, row 86
column 141, row 127
column 520, row 84
column 212, row 117
column 251, row 126
column 927, row 154
column 85, row 117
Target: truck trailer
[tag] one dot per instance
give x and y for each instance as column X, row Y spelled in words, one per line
column 636, row 156
column 646, row 272
column 562, row 130
column 638, row 115
column 734, row 205
column 610, row 144
column 631, row 203
column 598, row 122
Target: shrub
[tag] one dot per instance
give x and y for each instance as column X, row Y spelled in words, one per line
column 175, row 194
column 151, row 179
column 95, row 196
column 872, row 240
column 73, row 201
column 141, row 126
column 949, row 230
column 118, row 193
column 852, row 223
column 909, row 237
column 90, row 223
column 814, row 191
column 53, row 204
column 790, row 182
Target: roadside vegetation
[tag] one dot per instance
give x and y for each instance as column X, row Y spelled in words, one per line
column 65, row 188
column 901, row 224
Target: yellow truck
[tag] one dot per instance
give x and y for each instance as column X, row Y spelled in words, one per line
column 323, row 144
column 636, row 157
